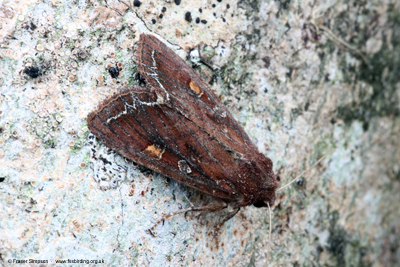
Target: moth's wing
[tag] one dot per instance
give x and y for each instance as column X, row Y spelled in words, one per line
column 181, row 88
column 138, row 127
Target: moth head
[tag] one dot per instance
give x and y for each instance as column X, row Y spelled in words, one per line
column 260, row 181
column 267, row 193
column 268, row 198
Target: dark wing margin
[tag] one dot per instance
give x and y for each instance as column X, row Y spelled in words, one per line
column 182, row 89
column 135, row 125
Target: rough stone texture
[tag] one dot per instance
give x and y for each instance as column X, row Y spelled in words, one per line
column 293, row 73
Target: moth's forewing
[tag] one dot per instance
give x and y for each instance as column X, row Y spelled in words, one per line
column 163, row 140
column 183, row 89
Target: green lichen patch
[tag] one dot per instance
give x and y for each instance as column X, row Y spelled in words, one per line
column 344, row 247
column 382, row 76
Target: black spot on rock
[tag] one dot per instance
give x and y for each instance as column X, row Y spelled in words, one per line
column 32, row 72
column 188, row 17
column 114, row 72
column 137, row 3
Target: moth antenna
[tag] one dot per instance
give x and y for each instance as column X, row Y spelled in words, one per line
column 270, row 232
column 307, row 170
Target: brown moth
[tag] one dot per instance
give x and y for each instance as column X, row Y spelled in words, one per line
column 178, row 127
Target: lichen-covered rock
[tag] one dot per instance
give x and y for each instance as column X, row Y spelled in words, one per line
column 301, row 77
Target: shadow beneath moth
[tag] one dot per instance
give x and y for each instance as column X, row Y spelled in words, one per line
column 178, row 127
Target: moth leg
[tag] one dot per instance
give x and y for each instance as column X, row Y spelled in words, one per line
column 212, row 207
column 227, row 218
column 190, row 203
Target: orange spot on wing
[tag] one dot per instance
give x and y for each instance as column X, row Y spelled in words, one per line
column 195, row 88
column 154, row 151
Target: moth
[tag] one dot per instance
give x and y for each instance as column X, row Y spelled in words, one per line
column 178, row 127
